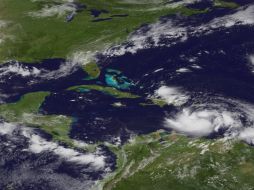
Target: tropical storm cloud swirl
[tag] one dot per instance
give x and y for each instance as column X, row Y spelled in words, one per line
column 127, row 94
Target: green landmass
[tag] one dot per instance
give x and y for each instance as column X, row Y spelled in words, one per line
column 225, row 4
column 31, row 38
column 159, row 102
column 154, row 101
column 93, row 70
column 170, row 161
column 26, row 112
column 104, row 89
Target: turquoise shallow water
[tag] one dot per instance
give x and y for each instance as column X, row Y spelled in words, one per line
column 114, row 78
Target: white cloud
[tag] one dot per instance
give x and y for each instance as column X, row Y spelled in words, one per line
column 7, row 128
column 18, row 69
column 54, row 10
column 169, row 33
column 234, row 117
column 56, row 1
column 252, row 59
column 202, row 122
column 75, row 60
column 66, row 68
column 247, row 135
column 182, row 2
column 142, row 40
column 172, row 95
column 38, row 145
column 251, row 62
column 183, row 70
column 3, row 96
column 245, row 16
column 195, row 66
column 3, row 24
column 82, row 57
column 158, row 70
column 118, row 104
column 4, row 36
